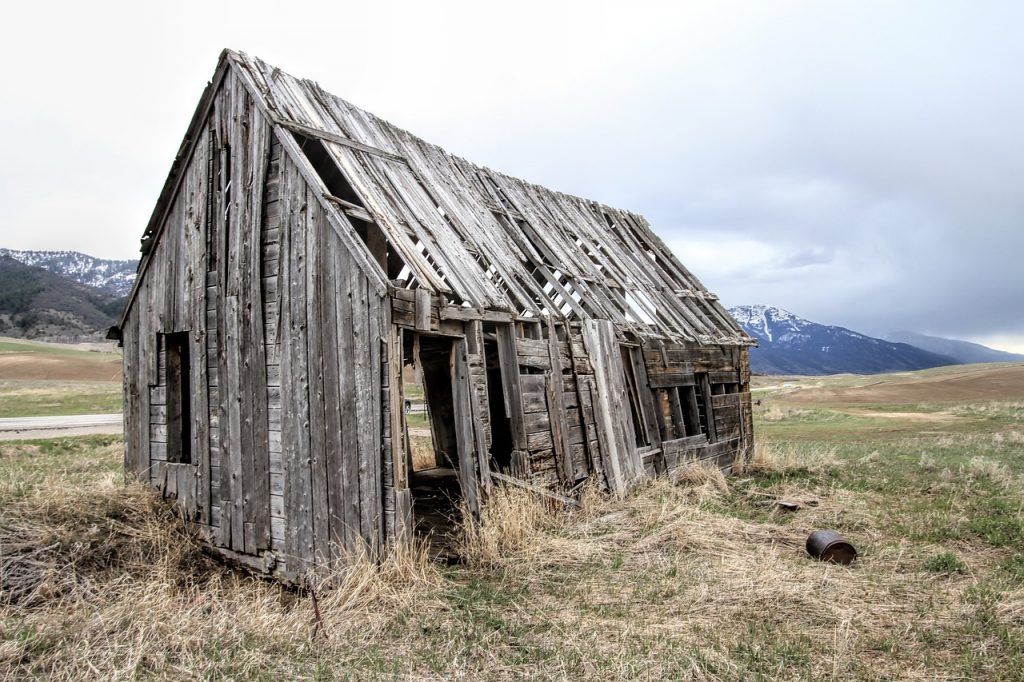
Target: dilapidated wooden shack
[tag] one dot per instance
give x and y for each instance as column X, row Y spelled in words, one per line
column 304, row 254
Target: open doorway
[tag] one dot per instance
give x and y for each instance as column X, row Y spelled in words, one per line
column 501, row 430
column 432, row 441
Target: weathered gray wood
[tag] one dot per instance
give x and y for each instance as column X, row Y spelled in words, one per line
column 399, row 455
column 317, row 354
column 294, row 375
column 645, row 396
column 336, row 139
column 422, row 310
column 479, row 406
column 335, row 403
column 367, row 455
column 464, row 427
column 299, row 436
column 623, row 468
column 348, row 388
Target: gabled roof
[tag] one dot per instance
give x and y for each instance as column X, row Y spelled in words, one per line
column 486, row 240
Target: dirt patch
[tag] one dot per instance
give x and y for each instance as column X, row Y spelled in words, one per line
column 907, row 416
column 43, row 366
column 984, row 383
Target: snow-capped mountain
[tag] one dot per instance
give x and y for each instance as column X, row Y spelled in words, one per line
column 112, row 276
column 788, row 344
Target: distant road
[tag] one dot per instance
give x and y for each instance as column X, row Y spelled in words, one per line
column 17, row 428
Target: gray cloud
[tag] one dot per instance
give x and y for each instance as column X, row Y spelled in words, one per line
column 857, row 163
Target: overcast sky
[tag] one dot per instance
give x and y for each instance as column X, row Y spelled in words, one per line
column 857, row 163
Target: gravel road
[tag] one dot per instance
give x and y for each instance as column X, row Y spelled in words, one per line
column 18, row 428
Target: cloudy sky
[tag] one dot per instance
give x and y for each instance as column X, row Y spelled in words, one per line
column 858, row 163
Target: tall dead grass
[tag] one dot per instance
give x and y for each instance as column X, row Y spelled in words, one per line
column 104, row 581
column 771, row 458
column 513, row 520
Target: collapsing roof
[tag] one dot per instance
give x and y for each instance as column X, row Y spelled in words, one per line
column 306, row 261
column 484, row 240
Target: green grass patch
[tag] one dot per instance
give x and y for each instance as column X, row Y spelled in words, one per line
column 945, row 562
column 16, row 346
column 47, row 398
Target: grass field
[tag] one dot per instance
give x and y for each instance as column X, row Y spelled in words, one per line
column 57, row 379
column 705, row 578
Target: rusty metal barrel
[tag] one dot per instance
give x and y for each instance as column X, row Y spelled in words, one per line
column 828, row 545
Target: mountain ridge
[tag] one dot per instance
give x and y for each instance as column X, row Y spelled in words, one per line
column 789, row 344
column 963, row 351
column 110, row 275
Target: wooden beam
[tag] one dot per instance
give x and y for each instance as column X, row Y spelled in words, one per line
column 335, row 138
column 535, row 489
column 350, row 209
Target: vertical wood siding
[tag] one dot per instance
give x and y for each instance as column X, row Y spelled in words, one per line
column 287, row 341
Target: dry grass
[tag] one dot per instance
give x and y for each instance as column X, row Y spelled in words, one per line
column 668, row 563
column 991, row 470
column 423, row 455
column 773, row 458
column 104, row 581
column 512, row 521
column 698, row 577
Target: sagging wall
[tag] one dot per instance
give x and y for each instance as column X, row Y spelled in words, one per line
column 594, row 403
column 581, row 399
column 286, row 356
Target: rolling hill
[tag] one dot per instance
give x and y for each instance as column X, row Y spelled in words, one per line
column 38, row 304
column 961, row 351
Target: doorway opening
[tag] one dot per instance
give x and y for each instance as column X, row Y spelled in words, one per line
column 501, row 429
column 432, row 440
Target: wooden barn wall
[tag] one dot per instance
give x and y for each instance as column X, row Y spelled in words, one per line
column 576, row 418
column 557, row 382
column 722, row 373
column 171, row 298
column 278, row 315
column 331, row 332
column 204, row 277
column 568, row 391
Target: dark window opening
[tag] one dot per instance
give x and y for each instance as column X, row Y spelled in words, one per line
column 328, row 170
column 701, row 408
column 690, row 408
column 664, row 416
column 501, row 429
column 225, row 180
column 352, row 205
column 643, row 439
column 178, row 382
column 702, row 395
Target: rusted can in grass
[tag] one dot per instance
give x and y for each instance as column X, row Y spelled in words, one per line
column 828, row 545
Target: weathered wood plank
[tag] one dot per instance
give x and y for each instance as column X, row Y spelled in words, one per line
column 622, row 465
column 464, row 427
column 317, row 355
